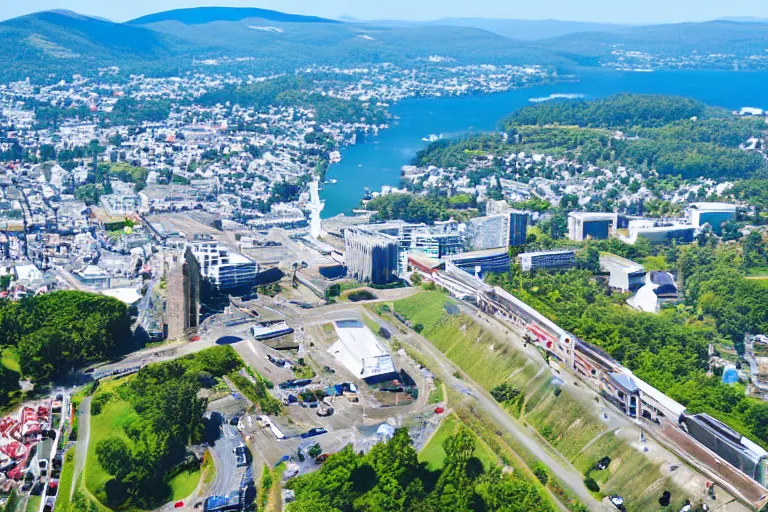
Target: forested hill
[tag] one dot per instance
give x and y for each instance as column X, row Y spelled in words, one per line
column 673, row 135
column 619, row 111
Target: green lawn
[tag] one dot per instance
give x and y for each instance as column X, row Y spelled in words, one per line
column 434, row 455
column 184, row 484
column 568, row 424
column 65, row 480
column 476, row 351
column 437, row 395
column 10, row 359
column 114, row 416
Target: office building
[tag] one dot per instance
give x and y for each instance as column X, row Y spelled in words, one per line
column 624, row 275
column 222, row 268
column 505, row 229
column 547, row 260
column 714, row 214
column 658, row 232
column 371, row 256
column 436, row 245
column 183, row 288
column 479, row 263
column 589, row 225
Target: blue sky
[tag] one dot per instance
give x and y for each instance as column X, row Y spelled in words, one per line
column 578, row 10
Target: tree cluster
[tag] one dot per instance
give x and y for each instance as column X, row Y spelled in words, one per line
column 169, row 417
column 669, row 350
column 391, row 478
column 61, row 331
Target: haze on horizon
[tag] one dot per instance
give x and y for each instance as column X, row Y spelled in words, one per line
column 604, row 11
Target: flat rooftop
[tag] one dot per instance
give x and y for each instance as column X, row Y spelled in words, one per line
column 546, row 253
column 714, row 207
column 478, row 254
column 618, row 260
column 360, row 351
column 587, row 216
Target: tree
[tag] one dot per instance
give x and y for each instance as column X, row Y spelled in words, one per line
column 115, row 457
column 590, row 260
column 315, row 450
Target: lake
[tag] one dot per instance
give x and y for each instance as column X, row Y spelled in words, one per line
column 377, row 161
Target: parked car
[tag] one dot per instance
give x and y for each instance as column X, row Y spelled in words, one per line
column 602, row 463
column 321, row 458
column 314, row 432
column 617, row 501
column 240, row 456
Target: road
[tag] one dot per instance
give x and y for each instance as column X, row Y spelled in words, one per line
column 445, row 370
column 228, row 475
column 83, row 437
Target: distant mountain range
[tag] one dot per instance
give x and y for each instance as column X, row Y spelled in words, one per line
column 718, row 36
column 202, row 15
column 63, row 42
column 529, row 30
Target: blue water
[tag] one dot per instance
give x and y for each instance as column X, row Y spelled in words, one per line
column 378, row 160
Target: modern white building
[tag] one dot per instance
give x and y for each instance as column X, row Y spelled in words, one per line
column 713, row 214
column 594, row 225
column 624, row 274
column 361, row 352
column 659, row 288
column 547, row 260
column 657, row 232
column 224, row 269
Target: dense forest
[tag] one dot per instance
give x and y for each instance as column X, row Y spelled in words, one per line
column 621, row 110
column 58, row 332
column 391, row 478
column 668, row 350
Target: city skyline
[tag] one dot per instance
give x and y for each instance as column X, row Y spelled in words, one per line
column 652, row 11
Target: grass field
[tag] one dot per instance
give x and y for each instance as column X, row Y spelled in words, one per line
column 65, row 480
column 465, row 343
column 434, row 455
column 437, row 395
column 568, row 424
column 114, row 416
column 630, row 473
column 184, row 484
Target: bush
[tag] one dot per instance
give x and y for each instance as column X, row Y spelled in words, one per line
column 590, row 483
column 361, row 295
column 333, row 291
column 505, row 392
column 99, row 401
column 541, row 472
column 418, row 328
